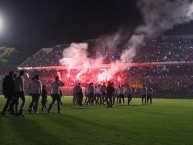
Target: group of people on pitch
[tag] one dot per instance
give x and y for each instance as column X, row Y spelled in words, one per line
column 92, row 96
column 13, row 90
column 109, row 94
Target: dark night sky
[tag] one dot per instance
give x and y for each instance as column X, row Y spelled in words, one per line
column 35, row 24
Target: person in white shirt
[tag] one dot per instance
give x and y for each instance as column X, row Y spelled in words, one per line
column 98, row 94
column 128, row 93
column 149, row 94
column 19, row 93
column 122, row 94
column 35, row 91
column 55, row 93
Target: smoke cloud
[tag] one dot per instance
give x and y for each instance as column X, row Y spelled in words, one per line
column 158, row 17
column 163, row 15
column 76, row 55
column 6, row 54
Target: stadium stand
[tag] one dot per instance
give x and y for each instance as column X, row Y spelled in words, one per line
column 169, row 71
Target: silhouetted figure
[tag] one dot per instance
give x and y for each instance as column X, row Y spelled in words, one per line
column 13, row 100
column 19, row 93
column 79, row 94
column 91, row 91
column 144, row 94
column 122, row 94
column 110, row 90
column 104, row 93
column 33, row 106
column 36, row 91
column 8, row 90
column 128, row 93
column 44, row 98
column 149, row 95
column 94, row 96
column 55, row 93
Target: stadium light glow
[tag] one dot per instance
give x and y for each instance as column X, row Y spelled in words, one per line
column 1, row 23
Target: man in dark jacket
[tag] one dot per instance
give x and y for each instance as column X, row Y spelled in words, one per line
column 79, row 94
column 110, row 91
column 8, row 90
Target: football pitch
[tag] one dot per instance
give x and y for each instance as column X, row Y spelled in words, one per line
column 165, row 122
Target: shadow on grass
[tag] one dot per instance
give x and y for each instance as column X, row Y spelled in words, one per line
column 75, row 122
column 28, row 131
column 83, row 128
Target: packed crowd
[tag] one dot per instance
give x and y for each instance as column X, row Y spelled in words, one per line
column 164, row 80
column 168, row 49
column 46, row 57
column 172, row 79
column 156, row 50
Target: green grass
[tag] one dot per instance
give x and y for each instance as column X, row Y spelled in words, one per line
column 166, row 122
